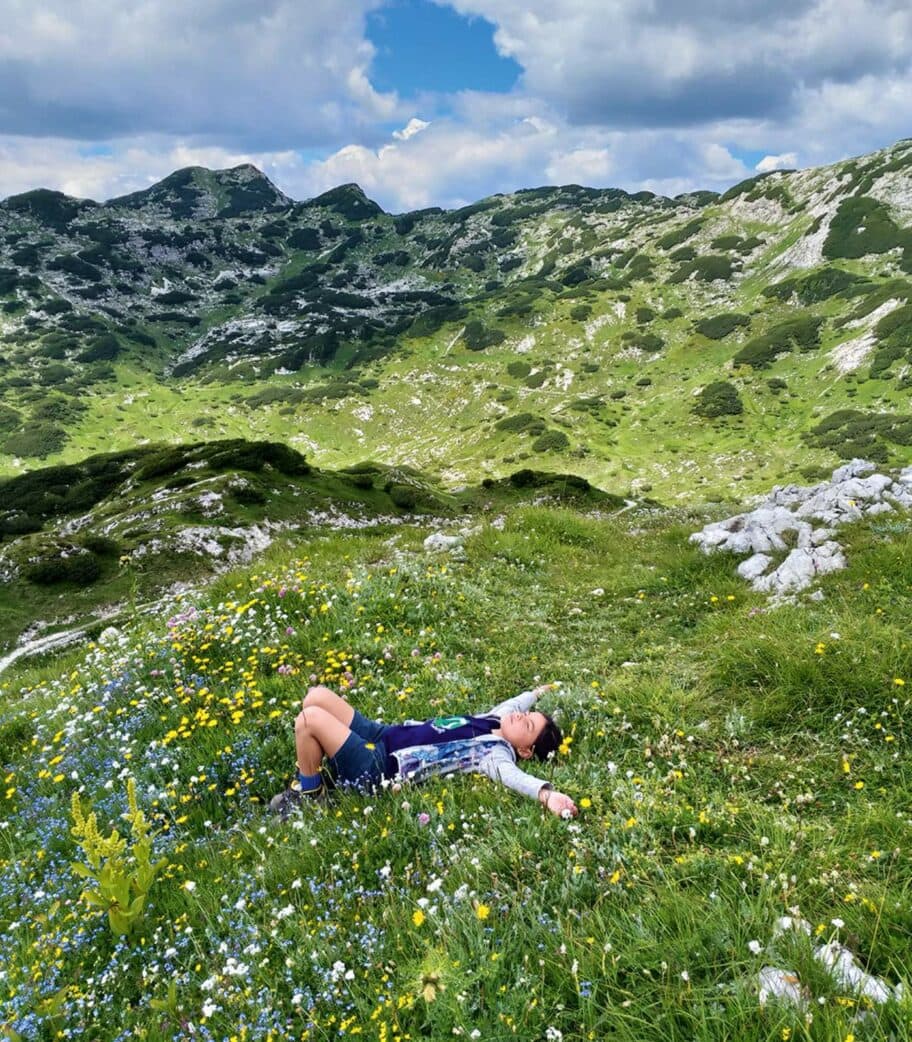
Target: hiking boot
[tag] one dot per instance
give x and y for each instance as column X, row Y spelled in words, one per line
column 284, row 803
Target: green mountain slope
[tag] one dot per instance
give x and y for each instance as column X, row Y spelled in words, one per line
column 644, row 342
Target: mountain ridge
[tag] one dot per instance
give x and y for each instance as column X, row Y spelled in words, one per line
column 580, row 328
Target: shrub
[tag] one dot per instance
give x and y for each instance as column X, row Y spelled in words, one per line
column 862, row 225
column 74, row 266
column 59, row 410
column 551, row 441
column 719, row 326
column 103, row 348
column 101, row 545
column 519, row 370
column 477, row 337
column 580, row 312
column 671, row 313
column 679, row 235
column 54, row 374
column 708, row 268
column 82, row 569
column 38, row 441
column 9, row 419
column 404, row 496
column 536, row 380
column 644, row 315
column 761, row 351
column 726, row 242
column 433, row 319
column 850, row 433
column 775, row 384
column 523, row 422
column 20, row 524
column 175, row 296
column 248, row 495
column 718, row 399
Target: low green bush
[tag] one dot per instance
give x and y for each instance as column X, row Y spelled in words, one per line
column 679, row 235
column 404, row 496
column 519, row 369
column 551, row 441
column 719, row 398
column 717, row 327
column 521, row 423
column 81, row 569
column 43, row 439
column 476, row 336
column 802, row 333
column 851, row 433
column 707, row 268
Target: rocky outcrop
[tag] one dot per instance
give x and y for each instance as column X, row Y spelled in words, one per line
column 789, row 537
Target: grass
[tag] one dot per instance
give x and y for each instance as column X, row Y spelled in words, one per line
column 732, row 763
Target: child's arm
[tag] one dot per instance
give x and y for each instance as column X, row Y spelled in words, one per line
column 500, row 767
column 522, row 702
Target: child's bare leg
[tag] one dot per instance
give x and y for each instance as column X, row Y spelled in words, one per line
column 334, row 704
column 317, row 734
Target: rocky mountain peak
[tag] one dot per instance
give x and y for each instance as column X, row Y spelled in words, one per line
column 197, row 192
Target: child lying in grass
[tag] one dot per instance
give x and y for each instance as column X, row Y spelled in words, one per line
column 366, row 753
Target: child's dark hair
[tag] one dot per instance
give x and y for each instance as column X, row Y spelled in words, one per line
column 549, row 740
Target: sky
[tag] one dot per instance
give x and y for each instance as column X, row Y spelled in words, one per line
column 441, row 102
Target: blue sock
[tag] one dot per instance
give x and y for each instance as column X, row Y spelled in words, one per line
column 310, row 784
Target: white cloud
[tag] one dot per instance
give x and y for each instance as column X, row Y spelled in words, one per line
column 586, row 166
column 413, row 127
column 785, row 161
column 624, row 63
column 258, row 73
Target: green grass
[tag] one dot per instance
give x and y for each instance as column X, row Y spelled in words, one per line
column 732, row 762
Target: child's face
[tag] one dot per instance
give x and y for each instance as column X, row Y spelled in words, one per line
column 521, row 730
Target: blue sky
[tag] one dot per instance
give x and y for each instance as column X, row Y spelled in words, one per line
column 423, row 47
column 440, row 102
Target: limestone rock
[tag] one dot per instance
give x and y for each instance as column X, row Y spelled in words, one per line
column 783, row 524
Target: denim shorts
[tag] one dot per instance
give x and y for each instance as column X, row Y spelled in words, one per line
column 361, row 761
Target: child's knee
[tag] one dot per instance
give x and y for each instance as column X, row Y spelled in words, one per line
column 316, row 695
column 309, row 719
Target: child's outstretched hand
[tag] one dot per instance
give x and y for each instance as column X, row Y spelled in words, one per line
column 543, row 689
column 559, row 804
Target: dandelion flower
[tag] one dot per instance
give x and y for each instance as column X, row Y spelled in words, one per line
column 418, row 917
column 482, row 911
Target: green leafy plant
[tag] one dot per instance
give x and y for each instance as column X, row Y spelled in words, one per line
column 119, row 880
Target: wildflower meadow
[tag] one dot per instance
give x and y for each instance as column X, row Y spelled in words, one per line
column 734, row 764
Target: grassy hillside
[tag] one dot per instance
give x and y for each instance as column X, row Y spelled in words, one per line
column 733, row 764
column 564, row 328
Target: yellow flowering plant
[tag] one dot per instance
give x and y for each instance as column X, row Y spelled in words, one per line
column 120, row 881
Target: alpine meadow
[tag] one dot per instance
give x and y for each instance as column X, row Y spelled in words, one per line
column 656, row 450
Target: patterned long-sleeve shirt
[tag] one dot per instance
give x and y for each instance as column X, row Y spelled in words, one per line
column 487, row 754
